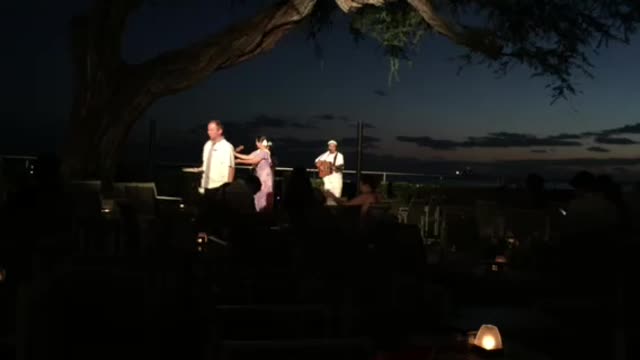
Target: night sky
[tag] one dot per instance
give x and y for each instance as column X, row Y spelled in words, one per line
column 431, row 120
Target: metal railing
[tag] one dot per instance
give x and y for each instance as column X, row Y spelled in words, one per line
column 18, row 157
column 384, row 174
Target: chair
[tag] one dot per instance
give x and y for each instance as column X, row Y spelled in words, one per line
column 147, row 205
column 416, row 211
column 459, row 228
column 431, row 224
column 528, row 225
column 403, row 215
column 488, row 222
column 86, row 210
column 142, row 197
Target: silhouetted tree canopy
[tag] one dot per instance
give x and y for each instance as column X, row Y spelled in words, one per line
column 553, row 38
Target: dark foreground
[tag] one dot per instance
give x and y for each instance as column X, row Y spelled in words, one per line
column 131, row 280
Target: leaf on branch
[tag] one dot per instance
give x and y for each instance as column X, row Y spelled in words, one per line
column 396, row 26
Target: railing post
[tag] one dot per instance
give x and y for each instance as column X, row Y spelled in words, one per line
column 359, row 159
column 152, row 148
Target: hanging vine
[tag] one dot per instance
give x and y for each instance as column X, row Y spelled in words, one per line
column 397, row 27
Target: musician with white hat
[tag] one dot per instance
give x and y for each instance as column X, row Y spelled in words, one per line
column 330, row 167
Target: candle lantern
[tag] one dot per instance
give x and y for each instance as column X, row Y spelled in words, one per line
column 488, row 341
column 107, row 206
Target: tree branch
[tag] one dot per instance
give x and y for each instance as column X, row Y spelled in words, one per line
column 476, row 40
column 96, row 42
column 349, row 6
column 178, row 70
column 107, row 23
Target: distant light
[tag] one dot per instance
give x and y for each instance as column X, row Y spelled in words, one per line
column 181, row 206
column 3, row 275
column 457, row 172
column 563, row 212
column 105, row 210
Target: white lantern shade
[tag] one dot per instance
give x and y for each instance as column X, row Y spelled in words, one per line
column 107, row 206
column 488, row 338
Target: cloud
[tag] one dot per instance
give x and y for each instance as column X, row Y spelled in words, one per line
column 597, row 149
column 565, row 136
column 330, row 117
column 252, row 127
column 267, row 121
column 425, row 141
column 614, row 140
column 507, row 140
column 493, row 140
column 626, row 129
column 380, row 92
column 511, row 140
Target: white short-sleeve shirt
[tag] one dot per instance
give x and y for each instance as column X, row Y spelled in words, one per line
column 222, row 158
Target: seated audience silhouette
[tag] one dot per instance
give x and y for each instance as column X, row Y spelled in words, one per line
column 612, row 192
column 590, row 232
column 300, row 201
column 589, row 212
column 367, row 197
column 537, row 198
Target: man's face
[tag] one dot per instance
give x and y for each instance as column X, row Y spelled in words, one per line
column 333, row 147
column 214, row 131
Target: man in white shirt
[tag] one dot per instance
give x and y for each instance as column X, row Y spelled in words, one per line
column 218, row 159
column 218, row 168
column 333, row 182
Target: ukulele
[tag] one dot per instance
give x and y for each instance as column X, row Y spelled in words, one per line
column 326, row 168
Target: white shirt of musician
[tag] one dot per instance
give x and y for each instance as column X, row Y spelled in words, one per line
column 222, row 158
column 327, row 156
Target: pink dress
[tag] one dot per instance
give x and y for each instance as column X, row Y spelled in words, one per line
column 264, row 172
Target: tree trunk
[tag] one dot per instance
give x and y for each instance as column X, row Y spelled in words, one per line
column 109, row 96
column 97, row 138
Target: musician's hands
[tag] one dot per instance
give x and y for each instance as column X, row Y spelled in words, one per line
column 329, row 194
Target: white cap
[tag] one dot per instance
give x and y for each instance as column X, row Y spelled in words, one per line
column 332, row 142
